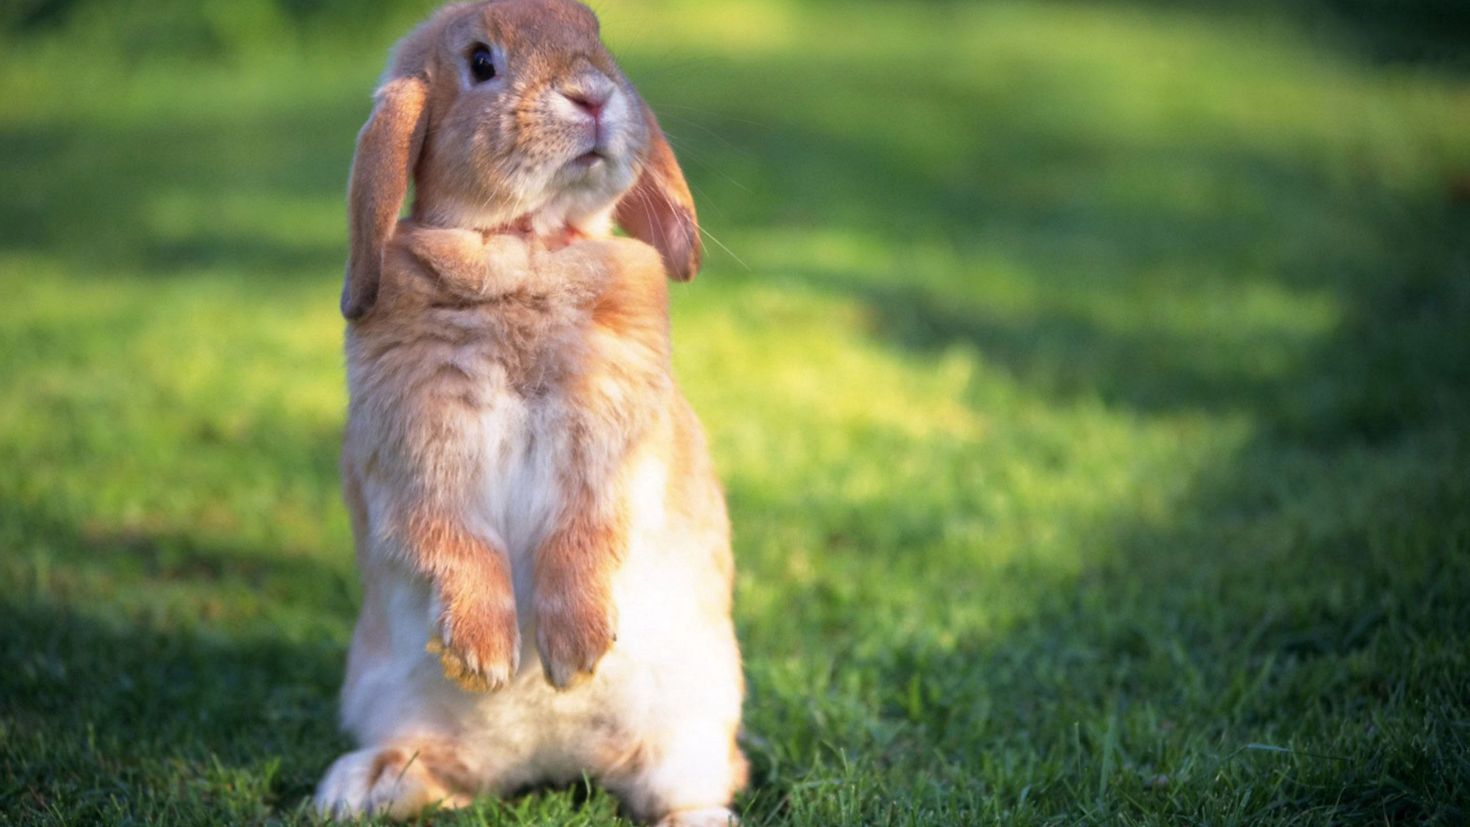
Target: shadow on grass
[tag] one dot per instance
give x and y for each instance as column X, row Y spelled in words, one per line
column 1397, row 361
column 150, row 706
column 137, row 557
column 257, row 191
column 130, row 721
column 1423, row 34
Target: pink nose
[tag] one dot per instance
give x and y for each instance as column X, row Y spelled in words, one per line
column 590, row 102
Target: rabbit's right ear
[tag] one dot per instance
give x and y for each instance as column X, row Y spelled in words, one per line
column 659, row 210
column 387, row 150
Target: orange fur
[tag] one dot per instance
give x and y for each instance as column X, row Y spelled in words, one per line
column 386, row 148
column 517, row 452
column 481, row 638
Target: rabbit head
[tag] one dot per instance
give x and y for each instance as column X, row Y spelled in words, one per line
column 513, row 112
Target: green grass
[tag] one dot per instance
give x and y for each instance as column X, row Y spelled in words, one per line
column 1090, row 381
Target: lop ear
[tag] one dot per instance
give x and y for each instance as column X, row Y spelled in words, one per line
column 387, row 150
column 659, row 210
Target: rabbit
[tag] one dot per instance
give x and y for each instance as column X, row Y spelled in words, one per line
column 527, row 485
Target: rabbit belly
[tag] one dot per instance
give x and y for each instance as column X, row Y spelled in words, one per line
column 518, row 493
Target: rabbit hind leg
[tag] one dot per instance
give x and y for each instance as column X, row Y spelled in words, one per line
column 689, row 783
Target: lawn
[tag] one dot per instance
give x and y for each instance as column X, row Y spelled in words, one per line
column 1090, row 382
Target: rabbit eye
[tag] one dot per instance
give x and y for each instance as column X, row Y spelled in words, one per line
column 482, row 65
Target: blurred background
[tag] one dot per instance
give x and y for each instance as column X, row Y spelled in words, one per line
column 1090, row 382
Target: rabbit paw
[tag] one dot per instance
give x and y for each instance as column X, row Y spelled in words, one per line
column 469, row 263
column 479, row 643
column 572, row 635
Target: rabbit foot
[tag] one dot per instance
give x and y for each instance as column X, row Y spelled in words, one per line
column 395, row 782
column 708, row 817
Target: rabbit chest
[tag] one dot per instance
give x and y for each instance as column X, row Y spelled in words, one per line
column 473, row 410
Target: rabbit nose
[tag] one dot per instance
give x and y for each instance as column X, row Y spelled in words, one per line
column 590, row 103
column 590, row 95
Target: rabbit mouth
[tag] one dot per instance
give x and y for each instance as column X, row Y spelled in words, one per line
column 588, row 160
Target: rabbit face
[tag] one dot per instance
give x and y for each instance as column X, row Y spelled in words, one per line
column 538, row 121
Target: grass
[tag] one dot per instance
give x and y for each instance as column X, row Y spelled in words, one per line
column 1090, row 382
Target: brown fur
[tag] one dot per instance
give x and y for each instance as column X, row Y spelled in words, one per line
column 475, row 305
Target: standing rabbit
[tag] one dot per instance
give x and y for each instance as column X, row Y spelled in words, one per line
column 526, row 483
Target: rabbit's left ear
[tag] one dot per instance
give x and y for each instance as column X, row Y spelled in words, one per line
column 659, row 210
